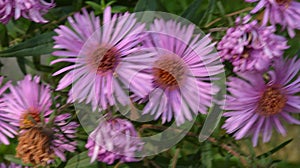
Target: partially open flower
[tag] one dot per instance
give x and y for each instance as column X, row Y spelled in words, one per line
column 40, row 139
column 114, row 139
column 250, row 46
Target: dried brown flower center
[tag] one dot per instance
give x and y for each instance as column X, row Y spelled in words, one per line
column 169, row 71
column 284, row 2
column 104, row 59
column 34, row 147
column 30, row 118
column 272, row 102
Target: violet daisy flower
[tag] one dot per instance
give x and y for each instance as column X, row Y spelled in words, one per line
column 250, row 46
column 6, row 130
column 283, row 12
column 30, row 9
column 255, row 106
column 40, row 140
column 114, row 139
column 103, row 59
column 183, row 66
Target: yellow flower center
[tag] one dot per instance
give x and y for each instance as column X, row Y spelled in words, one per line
column 30, row 118
column 169, row 71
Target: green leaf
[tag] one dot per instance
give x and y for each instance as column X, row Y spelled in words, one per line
column 81, row 160
column 221, row 162
column 207, row 16
column 109, row 3
column 285, row 164
column 277, row 148
column 193, row 12
column 149, row 5
column 77, row 4
column 206, row 155
column 294, row 47
column 13, row 159
column 21, row 63
column 3, row 36
column 58, row 13
column 36, row 46
column 18, row 28
column 176, row 7
column 119, row 9
column 97, row 7
column 174, row 160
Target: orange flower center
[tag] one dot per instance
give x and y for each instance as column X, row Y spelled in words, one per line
column 272, row 102
column 284, row 2
column 169, row 71
column 104, row 59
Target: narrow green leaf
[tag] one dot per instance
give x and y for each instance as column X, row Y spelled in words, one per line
column 110, row 3
column 30, row 51
column 294, row 47
column 207, row 16
column 277, row 148
column 39, row 67
column 174, row 160
column 13, row 159
column 77, row 4
column 18, row 28
column 119, row 9
column 193, row 12
column 21, row 63
column 81, row 160
column 223, row 12
column 58, row 13
column 38, row 45
column 94, row 5
column 3, row 36
column 149, row 5
column 36, row 61
column 207, row 155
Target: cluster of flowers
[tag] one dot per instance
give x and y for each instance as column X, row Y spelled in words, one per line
column 264, row 93
column 168, row 68
column 107, row 64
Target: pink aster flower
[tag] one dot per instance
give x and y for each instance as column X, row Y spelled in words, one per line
column 283, row 12
column 103, row 59
column 250, row 46
column 40, row 139
column 255, row 106
column 30, row 9
column 6, row 130
column 114, row 139
column 184, row 63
